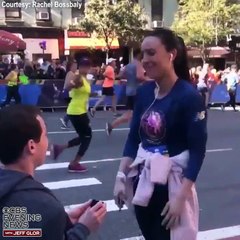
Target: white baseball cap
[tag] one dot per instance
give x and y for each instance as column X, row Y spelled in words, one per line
column 111, row 60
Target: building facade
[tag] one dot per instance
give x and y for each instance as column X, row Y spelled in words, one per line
column 162, row 11
column 49, row 20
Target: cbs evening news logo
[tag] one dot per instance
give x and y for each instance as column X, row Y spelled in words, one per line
column 16, row 222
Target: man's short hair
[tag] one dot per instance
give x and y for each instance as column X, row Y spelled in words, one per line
column 18, row 125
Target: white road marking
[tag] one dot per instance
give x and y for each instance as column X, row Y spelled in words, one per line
column 219, row 150
column 94, row 130
column 215, row 234
column 72, row 183
column 111, row 206
column 220, row 233
column 226, row 108
column 49, row 166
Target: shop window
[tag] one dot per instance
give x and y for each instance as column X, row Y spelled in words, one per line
column 13, row 12
column 157, row 10
column 43, row 10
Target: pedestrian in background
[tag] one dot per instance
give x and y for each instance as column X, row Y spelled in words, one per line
column 108, row 88
column 134, row 73
column 80, row 91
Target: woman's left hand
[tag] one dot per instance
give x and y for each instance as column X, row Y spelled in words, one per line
column 172, row 212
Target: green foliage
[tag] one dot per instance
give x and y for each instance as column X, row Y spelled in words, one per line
column 125, row 20
column 203, row 23
column 131, row 21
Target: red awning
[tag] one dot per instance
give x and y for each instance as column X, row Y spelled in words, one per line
column 10, row 43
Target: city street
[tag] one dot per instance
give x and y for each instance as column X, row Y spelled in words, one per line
column 218, row 184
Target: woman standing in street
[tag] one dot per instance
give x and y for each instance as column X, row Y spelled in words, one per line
column 80, row 91
column 168, row 119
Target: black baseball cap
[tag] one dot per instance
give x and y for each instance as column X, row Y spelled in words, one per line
column 84, row 62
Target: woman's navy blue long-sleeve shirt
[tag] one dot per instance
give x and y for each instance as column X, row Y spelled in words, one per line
column 177, row 121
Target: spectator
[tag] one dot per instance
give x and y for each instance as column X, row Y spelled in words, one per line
column 3, row 68
column 45, row 66
column 60, row 72
column 13, row 84
column 21, row 152
column 28, row 69
column 38, row 72
column 232, row 81
column 51, row 70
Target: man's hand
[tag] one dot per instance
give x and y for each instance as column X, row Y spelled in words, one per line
column 77, row 212
column 93, row 217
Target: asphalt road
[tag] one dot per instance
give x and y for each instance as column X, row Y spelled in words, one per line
column 218, row 184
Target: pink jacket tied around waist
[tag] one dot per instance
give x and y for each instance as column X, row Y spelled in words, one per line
column 160, row 169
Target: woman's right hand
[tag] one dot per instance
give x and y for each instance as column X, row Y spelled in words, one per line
column 119, row 192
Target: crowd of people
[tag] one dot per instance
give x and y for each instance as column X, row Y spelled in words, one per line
column 163, row 153
column 54, row 69
column 46, row 69
column 207, row 77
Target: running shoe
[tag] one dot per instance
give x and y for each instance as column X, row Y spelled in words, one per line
column 116, row 115
column 76, row 167
column 109, row 128
column 65, row 128
column 64, row 124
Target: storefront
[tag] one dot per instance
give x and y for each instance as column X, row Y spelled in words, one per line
column 217, row 56
column 33, row 36
column 78, row 44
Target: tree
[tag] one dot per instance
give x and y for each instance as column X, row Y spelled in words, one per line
column 131, row 21
column 123, row 19
column 203, row 23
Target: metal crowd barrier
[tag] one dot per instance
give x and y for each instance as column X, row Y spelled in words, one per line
column 48, row 93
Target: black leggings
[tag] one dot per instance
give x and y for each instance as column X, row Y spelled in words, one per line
column 232, row 101
column 149, row 218
column 12, row 92
column 81, row 123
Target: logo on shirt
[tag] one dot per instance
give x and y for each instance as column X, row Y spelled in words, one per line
column 154, row 126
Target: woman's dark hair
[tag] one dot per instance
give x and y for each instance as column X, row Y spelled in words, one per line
column 84, row 62
column 171, row 41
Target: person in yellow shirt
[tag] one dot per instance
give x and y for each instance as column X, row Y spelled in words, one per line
column 80, row 91
column 12, row 86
